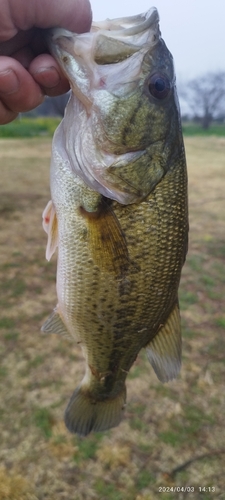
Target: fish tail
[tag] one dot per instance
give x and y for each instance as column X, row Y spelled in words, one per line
column 84, row 414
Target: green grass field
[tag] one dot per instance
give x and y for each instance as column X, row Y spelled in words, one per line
column 29, row 127
column 193, row 129
column 172, row 435
column 44, row 126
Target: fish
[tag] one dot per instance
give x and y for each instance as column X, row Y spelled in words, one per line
column 118, row 214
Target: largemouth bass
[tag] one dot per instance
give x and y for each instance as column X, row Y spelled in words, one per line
column 118, row 212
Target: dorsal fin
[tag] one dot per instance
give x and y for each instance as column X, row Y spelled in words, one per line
column 164, row 351
column 50, row 226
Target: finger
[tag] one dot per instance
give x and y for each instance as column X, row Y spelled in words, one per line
column 17, row 42
column 74, row 15
column 46, row 72
column 18, row 90
column 6, row 115
column 24, row 56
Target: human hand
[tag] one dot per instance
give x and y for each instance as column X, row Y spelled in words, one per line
column 27, row 71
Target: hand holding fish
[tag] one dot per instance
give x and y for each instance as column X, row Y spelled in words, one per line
column 27, row 71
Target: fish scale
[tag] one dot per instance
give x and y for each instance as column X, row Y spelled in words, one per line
column 118, row 215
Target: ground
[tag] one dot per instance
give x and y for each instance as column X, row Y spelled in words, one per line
column 172, row 435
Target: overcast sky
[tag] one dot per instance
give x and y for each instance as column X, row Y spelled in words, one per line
column 194, row 30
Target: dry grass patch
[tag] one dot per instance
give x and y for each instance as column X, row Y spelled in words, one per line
column 172, row 434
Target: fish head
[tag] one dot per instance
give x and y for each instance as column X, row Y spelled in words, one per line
column 123, row 88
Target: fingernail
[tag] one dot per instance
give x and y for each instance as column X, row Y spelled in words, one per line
column 9, row 82
column 50, row 77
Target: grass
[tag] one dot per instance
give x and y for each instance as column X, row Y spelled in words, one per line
column 6, row 322
column 220, row 322
column 43, row 420
column 167, row 427
column 106, row 490
column 144, row 479
column 11, row 336
column 29, row 127
column 187, row 298
column 192, row 129
column 87, row 448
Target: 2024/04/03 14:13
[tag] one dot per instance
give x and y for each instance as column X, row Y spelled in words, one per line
column 186, row 489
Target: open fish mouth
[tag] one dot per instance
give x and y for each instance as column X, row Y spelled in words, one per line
column 135, row 31
column 106, row 67
column 108, row 42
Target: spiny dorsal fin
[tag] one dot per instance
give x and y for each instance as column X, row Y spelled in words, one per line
column 50, row 226
column 164, row 351
column 54, row 324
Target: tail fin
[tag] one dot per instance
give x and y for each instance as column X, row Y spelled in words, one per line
column 84, row 415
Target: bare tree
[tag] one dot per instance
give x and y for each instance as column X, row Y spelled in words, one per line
column 205, row 96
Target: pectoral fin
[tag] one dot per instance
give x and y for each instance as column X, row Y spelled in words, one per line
column 50, row 226
column 107, row 240
column 164, row 351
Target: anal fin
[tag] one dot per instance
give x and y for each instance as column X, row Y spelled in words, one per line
column 164, row 351
column 54, row 324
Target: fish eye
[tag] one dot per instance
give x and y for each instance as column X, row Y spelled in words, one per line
column 159, row 86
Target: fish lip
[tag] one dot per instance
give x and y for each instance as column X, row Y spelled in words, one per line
column 115, row 28
column 150, row 18
column 61, row 46
column 141, row 22
column 57, row 41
